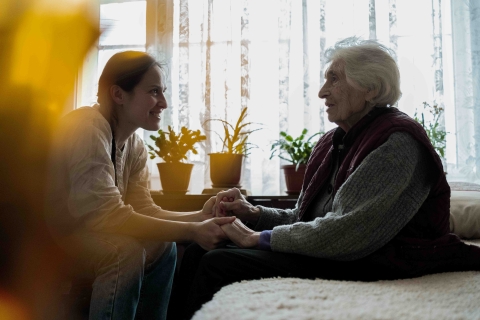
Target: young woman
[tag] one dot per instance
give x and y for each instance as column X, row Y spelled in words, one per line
column 100, row 208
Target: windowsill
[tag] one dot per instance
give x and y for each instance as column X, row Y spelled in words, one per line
column 192, row 202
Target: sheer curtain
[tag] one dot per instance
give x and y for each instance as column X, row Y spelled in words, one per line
column 268, row 55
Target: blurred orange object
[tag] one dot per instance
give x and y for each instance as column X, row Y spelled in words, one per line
column 43, row 43
column 11, row 309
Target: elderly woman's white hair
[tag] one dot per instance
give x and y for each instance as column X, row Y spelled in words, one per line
column 371, row 65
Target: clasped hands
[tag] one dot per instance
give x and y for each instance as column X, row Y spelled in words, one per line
column 232, row 203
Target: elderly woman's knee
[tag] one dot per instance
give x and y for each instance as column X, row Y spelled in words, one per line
column 217, row 260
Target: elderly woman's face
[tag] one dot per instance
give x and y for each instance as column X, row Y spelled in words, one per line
column 345, row 100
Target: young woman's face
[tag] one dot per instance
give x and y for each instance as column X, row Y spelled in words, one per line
column 144, row 104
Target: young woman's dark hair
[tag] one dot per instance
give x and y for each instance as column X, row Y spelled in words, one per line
column 124, row 69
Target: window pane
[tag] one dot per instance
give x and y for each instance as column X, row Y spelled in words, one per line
column 123, row 23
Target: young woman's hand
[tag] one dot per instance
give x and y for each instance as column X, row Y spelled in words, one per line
column 241, row 235
column 233, row 203
column 209, row 234
column 207, row 211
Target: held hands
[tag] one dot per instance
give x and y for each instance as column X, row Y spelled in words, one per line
column 217, row 223
column 208, row 210
column 232, row 202
column 209, row 234
column 241, row 235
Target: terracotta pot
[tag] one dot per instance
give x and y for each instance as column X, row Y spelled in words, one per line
column 175, row 177
column 294, row 179
column 226, row 170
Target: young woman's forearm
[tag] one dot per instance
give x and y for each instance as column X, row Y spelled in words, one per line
column 193, row 216
column 207, row 234
column 141, row 226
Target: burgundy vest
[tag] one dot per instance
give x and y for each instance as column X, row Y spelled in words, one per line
column 430, row 227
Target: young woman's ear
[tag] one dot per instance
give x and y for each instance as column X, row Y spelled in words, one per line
column 117, row 94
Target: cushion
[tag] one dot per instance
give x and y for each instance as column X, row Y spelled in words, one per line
column 464, row 186
column 465, row 214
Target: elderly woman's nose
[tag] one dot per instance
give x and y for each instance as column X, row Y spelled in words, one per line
column 323, row 93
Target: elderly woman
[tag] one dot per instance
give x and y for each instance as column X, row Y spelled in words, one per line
column 374, row 203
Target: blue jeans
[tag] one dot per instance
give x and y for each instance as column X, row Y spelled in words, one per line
column 133, row 277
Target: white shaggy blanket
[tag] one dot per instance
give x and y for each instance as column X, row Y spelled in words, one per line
column 453, row 295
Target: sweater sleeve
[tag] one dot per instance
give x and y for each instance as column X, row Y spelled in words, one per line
column 369, row 209
column 271, row 217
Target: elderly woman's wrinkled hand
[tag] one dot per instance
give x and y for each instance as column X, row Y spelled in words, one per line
column 229, row 195
column 209, row 234
column 219, row 209
column 232, row 202
column 241, row 235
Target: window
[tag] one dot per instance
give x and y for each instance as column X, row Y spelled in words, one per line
column 267, row 55
column 123, row 28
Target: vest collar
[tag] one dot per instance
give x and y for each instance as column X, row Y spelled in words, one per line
column 340, row 137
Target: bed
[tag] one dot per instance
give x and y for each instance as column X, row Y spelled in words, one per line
column 452, row 295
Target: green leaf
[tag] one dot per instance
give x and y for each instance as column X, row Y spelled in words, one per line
column 174, row 147
column 234, row 137
column 298, row 151
column 432, row 128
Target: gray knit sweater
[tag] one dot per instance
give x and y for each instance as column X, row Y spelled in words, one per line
column 369, row 209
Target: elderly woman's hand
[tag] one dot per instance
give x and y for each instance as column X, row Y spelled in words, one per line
column 209, row 235
column 241, row 235
column 232, row 202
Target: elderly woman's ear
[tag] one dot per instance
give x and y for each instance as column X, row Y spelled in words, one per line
column 371, row 95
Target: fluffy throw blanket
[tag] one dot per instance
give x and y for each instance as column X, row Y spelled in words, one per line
column 453, row 295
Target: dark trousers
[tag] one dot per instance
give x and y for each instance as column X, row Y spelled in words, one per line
column 203, row 273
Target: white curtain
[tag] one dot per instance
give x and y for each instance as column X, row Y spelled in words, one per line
column 268, row 55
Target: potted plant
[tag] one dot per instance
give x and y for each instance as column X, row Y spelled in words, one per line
column 226, row 166
column 435, row 133
column 296, row 151
column 172, row 148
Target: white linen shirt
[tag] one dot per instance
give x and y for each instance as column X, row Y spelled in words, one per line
column 82, row 191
